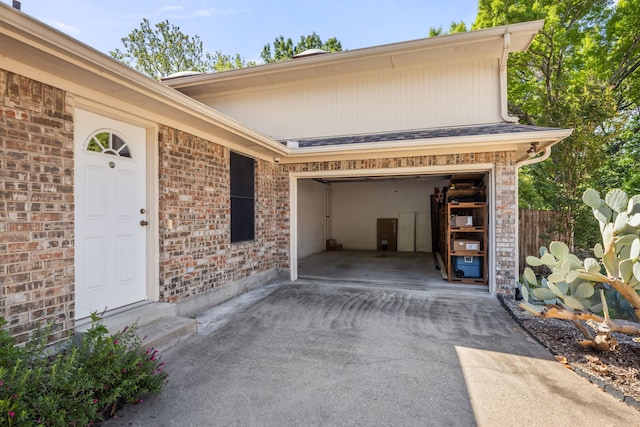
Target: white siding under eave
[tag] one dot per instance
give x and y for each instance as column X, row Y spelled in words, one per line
column 452, row 95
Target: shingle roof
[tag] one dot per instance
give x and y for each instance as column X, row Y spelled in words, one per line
column 448, row 132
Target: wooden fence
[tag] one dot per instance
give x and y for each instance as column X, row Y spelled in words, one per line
column 537, row 228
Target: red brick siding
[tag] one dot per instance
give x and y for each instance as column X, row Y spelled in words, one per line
column 37, row 209
column 505, row 209
column 36, row 205
column 506, row 226
column 196, row 255
column 282, row 215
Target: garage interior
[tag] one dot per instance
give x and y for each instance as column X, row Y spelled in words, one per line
column 383, row 229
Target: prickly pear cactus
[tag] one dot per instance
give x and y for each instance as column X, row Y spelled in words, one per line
column 616, row 260
column 564, row 285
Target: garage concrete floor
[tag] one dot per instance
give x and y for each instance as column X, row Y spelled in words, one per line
column 407, row 270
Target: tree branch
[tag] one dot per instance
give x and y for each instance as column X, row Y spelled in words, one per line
column 555, row 312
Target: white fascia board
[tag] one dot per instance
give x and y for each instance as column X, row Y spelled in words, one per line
column 528, row 29
column 396, row 171
column 78, row 57
column 431, row 143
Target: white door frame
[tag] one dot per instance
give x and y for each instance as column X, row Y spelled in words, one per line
column 422, row 170
column 152, row 185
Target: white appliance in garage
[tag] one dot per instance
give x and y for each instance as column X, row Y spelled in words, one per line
column 414, row 232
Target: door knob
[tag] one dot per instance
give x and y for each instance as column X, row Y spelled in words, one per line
column 144, row 223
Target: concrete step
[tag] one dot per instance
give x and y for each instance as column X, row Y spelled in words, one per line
column 166, row 332
column 157, row 323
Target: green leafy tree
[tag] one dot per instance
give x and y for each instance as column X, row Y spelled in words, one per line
column 163, row 49
column 283, row 49
column 455, row 27
column 620, row 168
column 622, row 50
column 580, row 72
column 221, row 62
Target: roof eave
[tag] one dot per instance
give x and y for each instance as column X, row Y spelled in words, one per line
column 519, row 142
column 20, row 32
column 522, row 35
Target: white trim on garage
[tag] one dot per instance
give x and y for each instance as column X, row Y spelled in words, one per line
column 422, row 170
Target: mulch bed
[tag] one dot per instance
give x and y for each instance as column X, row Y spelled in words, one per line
column 616, row 372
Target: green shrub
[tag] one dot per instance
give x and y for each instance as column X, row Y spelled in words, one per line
column 121, row 371
column 78, row 385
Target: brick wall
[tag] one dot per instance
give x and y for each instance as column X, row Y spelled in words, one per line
column 282, row 212
column 506, row 224
column 196, row 253
column 505, row 209
column 36, row 205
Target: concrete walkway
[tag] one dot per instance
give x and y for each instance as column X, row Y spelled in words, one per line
column 315, row 353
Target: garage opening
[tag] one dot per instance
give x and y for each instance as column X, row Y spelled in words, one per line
column 395, row 229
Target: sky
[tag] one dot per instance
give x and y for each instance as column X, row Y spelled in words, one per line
column 245, row 26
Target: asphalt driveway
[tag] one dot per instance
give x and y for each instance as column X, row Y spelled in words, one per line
column 324, row 354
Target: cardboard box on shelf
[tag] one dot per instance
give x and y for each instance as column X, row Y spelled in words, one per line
column 466, row 245
column 462, row 221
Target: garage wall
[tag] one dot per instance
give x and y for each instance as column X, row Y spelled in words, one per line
column 356, row 206
column 312, row 212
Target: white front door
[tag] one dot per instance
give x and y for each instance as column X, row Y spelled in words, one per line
column 110, row 197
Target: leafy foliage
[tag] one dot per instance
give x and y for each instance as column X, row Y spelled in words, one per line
column 282, row 50
column 221, row 62
column 78, row 385
column 563, row 285
column 455, row 27
column 615, row 267
column 161, row 51
column 620, row 166
column 121, row 370
column 621, row 33
column 580, row 72
column 616, row 263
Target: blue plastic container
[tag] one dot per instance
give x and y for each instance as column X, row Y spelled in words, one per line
column 467, row 267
